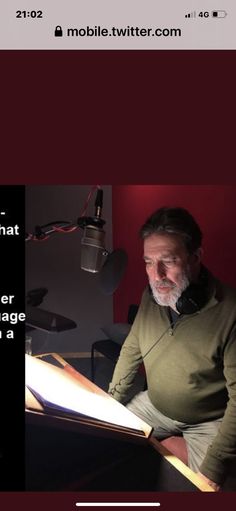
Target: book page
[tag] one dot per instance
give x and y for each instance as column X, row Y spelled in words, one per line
column 58, row 390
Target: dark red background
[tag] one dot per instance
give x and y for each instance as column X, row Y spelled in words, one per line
column 66, row 501
column 120, row 117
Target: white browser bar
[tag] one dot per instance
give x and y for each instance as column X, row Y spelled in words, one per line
column 118, row 24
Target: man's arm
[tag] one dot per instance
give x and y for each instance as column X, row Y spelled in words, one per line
column 130, row 356
column 223, row 448
column 126, row 368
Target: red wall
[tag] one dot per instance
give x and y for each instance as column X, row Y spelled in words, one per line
column 214, row 208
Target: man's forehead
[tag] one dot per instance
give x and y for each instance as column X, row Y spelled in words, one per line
column 167, row 243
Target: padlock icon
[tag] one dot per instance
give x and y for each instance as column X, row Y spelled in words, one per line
column 58, row 31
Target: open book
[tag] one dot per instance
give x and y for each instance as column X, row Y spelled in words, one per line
column 60, row 393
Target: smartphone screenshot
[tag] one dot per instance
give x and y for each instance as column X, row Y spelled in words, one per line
column 112, row 110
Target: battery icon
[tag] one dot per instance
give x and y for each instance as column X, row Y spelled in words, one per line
column 219, row 14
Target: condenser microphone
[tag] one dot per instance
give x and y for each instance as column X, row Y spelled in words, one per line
column 93, row 240
column 92, row 248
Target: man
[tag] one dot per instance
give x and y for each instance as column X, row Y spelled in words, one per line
column 185, row 333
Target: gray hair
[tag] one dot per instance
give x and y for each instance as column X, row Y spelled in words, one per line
column 177, row 221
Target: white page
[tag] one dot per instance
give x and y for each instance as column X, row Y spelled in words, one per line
column 57, row 387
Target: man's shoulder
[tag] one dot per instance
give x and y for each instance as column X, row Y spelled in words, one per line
column 225, row 292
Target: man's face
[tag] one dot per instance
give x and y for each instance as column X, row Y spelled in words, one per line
column 169, row 267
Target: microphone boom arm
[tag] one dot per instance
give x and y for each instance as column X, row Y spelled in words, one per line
column 40, row 233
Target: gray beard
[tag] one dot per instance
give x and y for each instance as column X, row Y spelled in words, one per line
column 170, row 299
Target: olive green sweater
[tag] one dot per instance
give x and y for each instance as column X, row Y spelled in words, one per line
column 191, row 371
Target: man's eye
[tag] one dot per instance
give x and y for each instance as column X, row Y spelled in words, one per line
column 169, row 262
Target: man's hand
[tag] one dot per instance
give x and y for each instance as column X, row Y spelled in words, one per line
column 215, row 486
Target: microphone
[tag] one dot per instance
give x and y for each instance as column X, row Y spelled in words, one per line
column 93, row 249
column 93, row 240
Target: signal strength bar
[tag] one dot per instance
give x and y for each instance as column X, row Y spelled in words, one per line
column 191, row 14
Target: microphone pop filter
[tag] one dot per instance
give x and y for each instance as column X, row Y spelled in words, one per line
column 112, row 271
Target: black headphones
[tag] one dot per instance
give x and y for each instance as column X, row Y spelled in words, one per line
column 195, row 296
column 192, row 299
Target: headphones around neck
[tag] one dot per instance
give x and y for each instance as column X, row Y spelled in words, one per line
column 192, row 299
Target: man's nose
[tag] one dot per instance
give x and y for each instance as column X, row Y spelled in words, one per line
column 159, row 270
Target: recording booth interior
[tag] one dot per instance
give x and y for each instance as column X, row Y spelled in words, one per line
column 72, row 310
